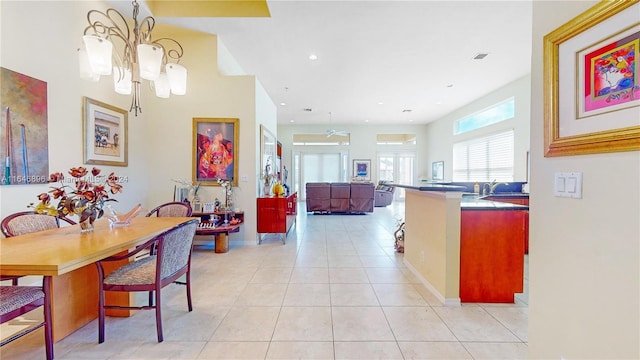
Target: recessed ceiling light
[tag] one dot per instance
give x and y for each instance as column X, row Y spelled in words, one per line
column 313, row 57
column 438, row 102
column 291, row 120
column 380, row 103
column 283, row 104
column 366, row 120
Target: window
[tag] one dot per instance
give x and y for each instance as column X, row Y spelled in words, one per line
column 320, row 139
column 504, row 110
column 397, row 167
column 484, row 159
column 396, row 139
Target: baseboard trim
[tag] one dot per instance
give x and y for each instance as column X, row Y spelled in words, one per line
column 446, row 301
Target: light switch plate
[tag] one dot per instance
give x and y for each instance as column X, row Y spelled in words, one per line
column 244, row 178
column 568, row 184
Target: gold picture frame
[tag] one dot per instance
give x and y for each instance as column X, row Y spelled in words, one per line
column 215, row 150
column 571, row 74
column 105, row 130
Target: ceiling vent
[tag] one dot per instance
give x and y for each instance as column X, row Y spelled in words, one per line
column 307, row 109
column 480, row 56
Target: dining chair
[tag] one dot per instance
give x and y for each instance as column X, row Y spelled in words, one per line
column 18, row 300
column 175, row 208
column 171, row 261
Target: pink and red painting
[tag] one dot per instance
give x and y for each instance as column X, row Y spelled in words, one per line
column 611, row 75
column 24, row 141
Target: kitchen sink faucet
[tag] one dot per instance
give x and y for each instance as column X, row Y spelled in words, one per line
column 493, row 185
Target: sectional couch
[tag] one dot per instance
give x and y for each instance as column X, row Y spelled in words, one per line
column 350, row 198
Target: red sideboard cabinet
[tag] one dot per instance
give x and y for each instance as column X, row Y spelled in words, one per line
column 276, row 215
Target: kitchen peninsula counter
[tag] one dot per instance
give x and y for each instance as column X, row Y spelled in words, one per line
column 463, row 247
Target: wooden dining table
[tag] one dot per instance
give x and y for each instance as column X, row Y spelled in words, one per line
column 66, row 257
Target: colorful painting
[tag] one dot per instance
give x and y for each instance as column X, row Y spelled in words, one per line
column 215, row 154
column 611, row 76
column 362, row 170
column 24, row 131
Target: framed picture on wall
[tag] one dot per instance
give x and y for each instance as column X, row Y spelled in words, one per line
column 591, row 82
column 215, row 151
column 437, row 170
column 268, row 154
column 362, row 169
column 105, row 133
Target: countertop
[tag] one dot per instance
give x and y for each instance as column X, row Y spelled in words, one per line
column 429, row 187
column 479, row 202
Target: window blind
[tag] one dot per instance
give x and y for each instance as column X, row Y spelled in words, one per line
column 484, row 159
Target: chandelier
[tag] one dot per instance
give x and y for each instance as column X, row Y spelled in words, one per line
column 137, row 56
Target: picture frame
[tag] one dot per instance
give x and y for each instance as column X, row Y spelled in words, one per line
column 268, row 153
column 215, row 151
column 362, row 169
column 437, row 170
column 582, row 113
column 106, row 133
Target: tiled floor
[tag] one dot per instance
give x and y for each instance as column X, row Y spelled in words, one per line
column 336, row 290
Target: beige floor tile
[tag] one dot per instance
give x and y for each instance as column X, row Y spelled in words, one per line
column 360, row 324
column 417, row 324
column 304, row 323
column 514, row 318
column 434, row 350
column 247, row 323
column 386, row 276
column 496, row 351
column 262, row 295
column 310, row 275
column 307, row 295
column 367, row 350
column 234, row 350
column 300, row 350
column 398, row 295
column 269, row 275
column 168, row 350
column 353, row 295
column 344, row 261
column 473, row 323
column 348, row 276
column 377, row 261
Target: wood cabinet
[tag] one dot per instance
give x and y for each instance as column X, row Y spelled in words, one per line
column 491, row 255
column 276, row 215
column 520, row 201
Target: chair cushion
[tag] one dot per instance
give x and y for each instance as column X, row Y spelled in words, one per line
column 15, row 297
column 140, row 272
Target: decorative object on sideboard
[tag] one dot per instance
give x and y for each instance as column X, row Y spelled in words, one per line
column 86, row 199
column 139, row 56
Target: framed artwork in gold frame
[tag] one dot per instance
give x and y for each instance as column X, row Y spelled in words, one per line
column 215, row 150
column 592, row 82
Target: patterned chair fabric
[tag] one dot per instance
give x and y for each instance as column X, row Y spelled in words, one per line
column 18, row 300
column 171, row 260
column 172, row 209
column 28, row 221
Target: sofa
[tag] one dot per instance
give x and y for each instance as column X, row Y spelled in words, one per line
column 346, row 198
column 384, row 195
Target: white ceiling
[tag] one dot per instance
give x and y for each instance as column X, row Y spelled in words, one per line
column 408, row 55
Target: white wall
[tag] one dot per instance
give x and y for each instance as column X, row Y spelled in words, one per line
column 362, row 144
column 440, row 138
column 584, row 253
column 33, row 45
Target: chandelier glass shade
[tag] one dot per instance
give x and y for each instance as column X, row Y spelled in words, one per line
column 130, row 54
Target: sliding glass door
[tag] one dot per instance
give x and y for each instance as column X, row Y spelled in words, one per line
column 398, row 167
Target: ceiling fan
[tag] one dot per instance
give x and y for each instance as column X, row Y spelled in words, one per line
column 331, row 131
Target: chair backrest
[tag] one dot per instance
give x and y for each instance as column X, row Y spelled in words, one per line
column 172, row 209
column 28, row 221
column 174, row 248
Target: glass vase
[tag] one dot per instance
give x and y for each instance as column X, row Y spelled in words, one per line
column 86, row 225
